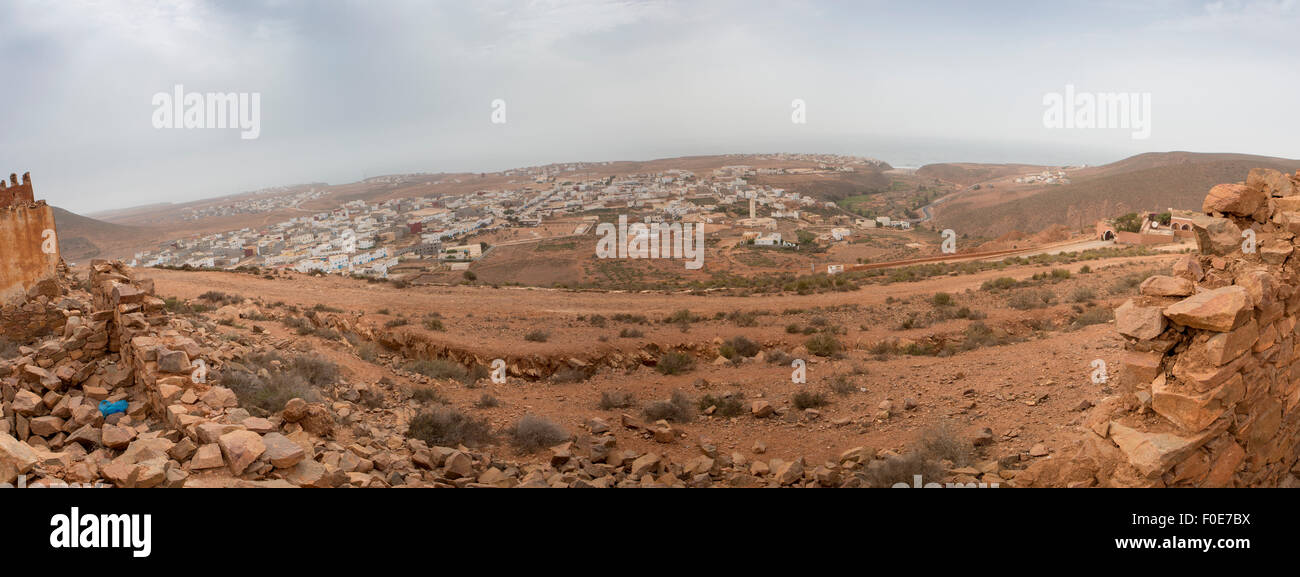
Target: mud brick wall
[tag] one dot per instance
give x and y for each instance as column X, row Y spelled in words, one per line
column 15, row 193
column 1209, row 385
column 24, row 263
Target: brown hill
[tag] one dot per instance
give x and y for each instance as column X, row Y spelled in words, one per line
column 967, row 173
column 1154, row 181
column 82, row 238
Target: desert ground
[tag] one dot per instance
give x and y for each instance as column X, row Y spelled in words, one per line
column 1001, row 360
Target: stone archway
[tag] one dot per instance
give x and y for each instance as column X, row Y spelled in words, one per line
column 1108, row 235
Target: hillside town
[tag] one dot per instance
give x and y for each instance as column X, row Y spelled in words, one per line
column 370, row 239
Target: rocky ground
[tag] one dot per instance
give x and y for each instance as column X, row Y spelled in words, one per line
column 328, row 382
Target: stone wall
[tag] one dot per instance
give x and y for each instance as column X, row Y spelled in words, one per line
column 1210, row 380
column 23, row 226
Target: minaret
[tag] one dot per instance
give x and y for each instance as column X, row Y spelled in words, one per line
column 751, row 208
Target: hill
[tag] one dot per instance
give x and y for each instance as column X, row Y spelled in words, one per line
column 967, row 174
column 82, row 238
column 1145, row 182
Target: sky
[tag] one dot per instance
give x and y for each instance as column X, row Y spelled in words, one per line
column 353, row 89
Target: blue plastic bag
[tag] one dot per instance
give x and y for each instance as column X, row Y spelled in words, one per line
column 106, row 408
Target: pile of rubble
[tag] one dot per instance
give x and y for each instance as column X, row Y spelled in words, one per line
column 1210, row 389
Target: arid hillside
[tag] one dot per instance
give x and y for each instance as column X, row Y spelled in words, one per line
column 82, row 238
column 1145, row 182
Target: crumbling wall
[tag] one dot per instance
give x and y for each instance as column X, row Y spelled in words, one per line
column 24, row 260
column 15, row 193
column 1210, row 381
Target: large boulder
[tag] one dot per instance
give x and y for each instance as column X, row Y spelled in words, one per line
column 1270, row 182
column 1219, row 310
column 1237, row 199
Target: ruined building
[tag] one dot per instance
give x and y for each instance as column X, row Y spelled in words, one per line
column 29, row 251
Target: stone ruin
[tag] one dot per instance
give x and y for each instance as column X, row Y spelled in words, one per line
column 29, row 251
column 1210, row 379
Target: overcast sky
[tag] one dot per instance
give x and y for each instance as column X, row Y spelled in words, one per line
column 355, row 89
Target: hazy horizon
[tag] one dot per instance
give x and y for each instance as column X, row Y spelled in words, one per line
column 349, row 90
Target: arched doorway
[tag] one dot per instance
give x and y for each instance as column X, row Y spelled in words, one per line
column 1108, row 235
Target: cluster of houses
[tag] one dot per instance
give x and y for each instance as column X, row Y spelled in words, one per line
column 371, row 238
column 357, row 238
column 260, row 201
column 1044, row 177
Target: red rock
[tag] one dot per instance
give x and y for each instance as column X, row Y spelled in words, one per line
column 1217, row 310
column 1237, row 199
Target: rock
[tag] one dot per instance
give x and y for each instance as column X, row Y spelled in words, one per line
column 46, row 426
column 16, row 458
column 983, row 437
column 1270, row 182
column 789, row 473
column 1139, row 322
column 207, row 457
column 309, row 473
column 241, row 449
column 458, row 465
column 761, row 409
column 115, row 437
column 1217, row 236
column 258, row 425
column 220, row 398
column 1195, row 411
column 170, row 361
column 1189, row 268
column 648, row 463
column 561, row 454
column 1219, row 310
column 27, row 403
column 1237, row 199
column 87, row 436
column 859, row 454
column 1153, row 453
column 1167, row 286
column 597, row 425
column 1223, row 348
column 295, row 410
column 759, row 447
column 282, row 452
column 319, row 421
column 1038, row 450
column 182, row 449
